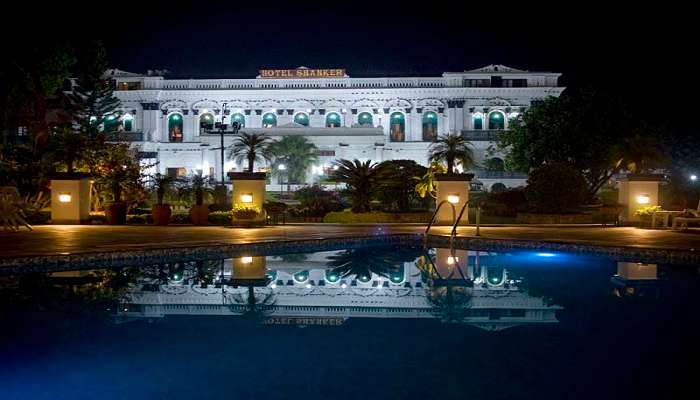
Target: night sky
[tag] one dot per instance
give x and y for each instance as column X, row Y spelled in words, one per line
column 643, row 53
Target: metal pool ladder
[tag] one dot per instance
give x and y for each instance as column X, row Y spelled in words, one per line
column 432, row 219
column 465, row 207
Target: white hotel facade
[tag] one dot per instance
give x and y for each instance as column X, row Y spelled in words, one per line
column 172, row 121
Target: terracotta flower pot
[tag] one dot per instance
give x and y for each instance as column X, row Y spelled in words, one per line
column 115, row 213
column 161, row 214
column 200, row 214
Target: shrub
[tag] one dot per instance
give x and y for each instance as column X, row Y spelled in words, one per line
column 245, row 212
column 555, row 188
column 317, row 202
column 346, row 217
column 139, row 219
column 220, row 207
column 220, row 217
column 180, row 218
column 505, row 204
column 647, row 211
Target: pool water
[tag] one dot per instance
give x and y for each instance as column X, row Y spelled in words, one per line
column 373, row 322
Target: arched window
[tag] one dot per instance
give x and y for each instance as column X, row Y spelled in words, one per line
column 332, row 120
column 238, row 117
column 332, row 276
column 494, row 164
column 478, row 122
column 111, row 123
column 365, row 119
column 397, row 127
column 175, row 128
column 301, row 276
column 397, row 276
column 495, row 275
column 430, row 126
column 302, row 119
column 206, row 121
column 497, row 120
column 128, row 122
column 269, row 120
column 498, row 187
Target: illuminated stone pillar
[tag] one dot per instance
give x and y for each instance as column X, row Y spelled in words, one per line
column 70, row 199
column 637, row 191
column 248, row 194
column 454, row 190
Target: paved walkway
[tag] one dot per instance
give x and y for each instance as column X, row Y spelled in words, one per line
column 75, row 239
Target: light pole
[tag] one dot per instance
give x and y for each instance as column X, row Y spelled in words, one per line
column 282, row 168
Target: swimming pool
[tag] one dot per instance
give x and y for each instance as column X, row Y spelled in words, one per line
column 391, row 321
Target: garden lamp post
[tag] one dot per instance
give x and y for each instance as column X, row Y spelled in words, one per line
column 281, row 168
column 235, row 127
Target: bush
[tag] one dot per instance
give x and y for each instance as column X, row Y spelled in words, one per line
column 317, row 202
column 220, row 207
column 180, row 218
column 139, row 219
column 220, row 217
column 38, row 218
column 505, row 204
column 555, row 188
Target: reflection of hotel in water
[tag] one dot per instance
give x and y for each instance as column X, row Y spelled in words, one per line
column 301, row 291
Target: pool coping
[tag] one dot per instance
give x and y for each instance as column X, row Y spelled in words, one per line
column 131, row 257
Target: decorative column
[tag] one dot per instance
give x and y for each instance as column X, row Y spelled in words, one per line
column 637, row 191
column 453, row 190
column 150, row 125
column 188, row 126
column 70, row 199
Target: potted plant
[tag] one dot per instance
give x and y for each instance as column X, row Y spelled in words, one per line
column 161, row 211
column 245, row 212
column 199, row 186
column 117, row 169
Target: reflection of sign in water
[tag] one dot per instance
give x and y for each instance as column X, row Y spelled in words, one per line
column 326, row 321
column 302, row 73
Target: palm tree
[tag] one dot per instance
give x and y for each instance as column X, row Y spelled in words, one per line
column 297, row 154
column 363, row 181
column 251, row 147
column 361, row 263
column 451, row 148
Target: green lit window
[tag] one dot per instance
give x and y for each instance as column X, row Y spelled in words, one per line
column 269, row 120
column 238, row 117
column 128, row 122
column 175, row 128
column 430, row 126
column 365, row 119
column 497, row 120
column 206, row 121
column 333, row 120
column 478, row 123
column 111, row 123
column 397, row 127
column 302, row 119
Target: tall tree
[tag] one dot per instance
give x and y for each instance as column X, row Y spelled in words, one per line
column 297, row 154
column 250, row 147
column 363, row 180
column 92, row 96
column 451, row 149
column 34, row 75
column 590, row 130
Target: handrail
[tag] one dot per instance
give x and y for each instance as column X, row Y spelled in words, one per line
column 453, row 234
column 432, row 219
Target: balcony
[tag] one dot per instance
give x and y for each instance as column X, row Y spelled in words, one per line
column 481, row 135
column 124, row 137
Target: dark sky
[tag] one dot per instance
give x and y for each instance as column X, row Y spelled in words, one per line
column 644, row 53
